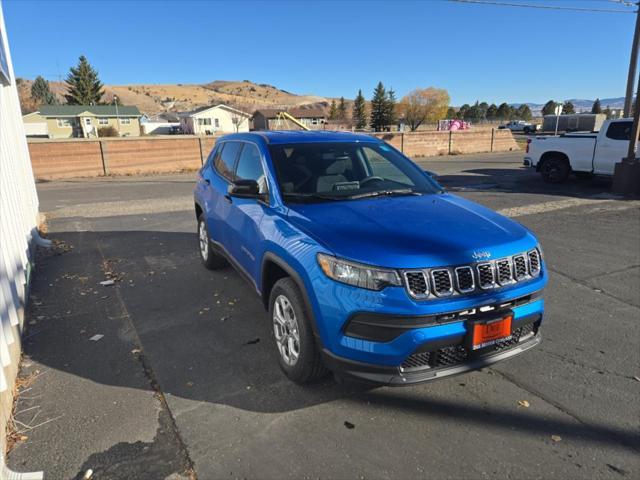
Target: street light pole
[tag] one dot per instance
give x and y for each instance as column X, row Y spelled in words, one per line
column 635, row 127
column 633, row 63
column 115, row 99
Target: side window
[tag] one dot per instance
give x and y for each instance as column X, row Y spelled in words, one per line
column 215, row 152
column 250, row 167
column 225, row 161
column 619, row 131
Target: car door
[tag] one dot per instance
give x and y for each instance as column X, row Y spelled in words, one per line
column 246, row 214
column 215, row 180
column 612, row 147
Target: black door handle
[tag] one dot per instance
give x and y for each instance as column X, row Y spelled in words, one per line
column 228, row 198
column 207, row 181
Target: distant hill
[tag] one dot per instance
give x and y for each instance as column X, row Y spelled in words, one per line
column 150, row 98
column 581, row 105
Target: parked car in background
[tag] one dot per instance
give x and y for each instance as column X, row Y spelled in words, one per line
column 556, row 157
column 515, row 125
column 366, row 265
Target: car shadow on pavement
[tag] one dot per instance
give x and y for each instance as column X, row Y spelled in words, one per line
column 199, row 335
column 524, row 180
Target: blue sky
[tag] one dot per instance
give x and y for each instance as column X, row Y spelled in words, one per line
column 332, row 48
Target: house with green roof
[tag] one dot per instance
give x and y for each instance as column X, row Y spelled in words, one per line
column 84, row 121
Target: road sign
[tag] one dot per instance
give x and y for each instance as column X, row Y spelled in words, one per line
column 558, row 110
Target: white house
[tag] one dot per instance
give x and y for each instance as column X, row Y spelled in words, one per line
column 216, row 119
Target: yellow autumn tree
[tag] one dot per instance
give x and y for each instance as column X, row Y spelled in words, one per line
column 424, row 105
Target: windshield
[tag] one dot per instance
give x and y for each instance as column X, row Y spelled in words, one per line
column 338, row 171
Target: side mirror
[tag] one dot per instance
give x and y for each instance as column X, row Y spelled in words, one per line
column 244, row 188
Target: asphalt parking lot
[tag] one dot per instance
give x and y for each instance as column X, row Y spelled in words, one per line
column 170, row 372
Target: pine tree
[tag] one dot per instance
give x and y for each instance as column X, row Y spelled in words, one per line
column 390, row 112
column 596, row 108
column 524, row 112
column 504, row 111
column 333, row 110
column 492, row 111
column 83, row 85
column 379, row 108
column 463, row 111
column 41, row 92
column 359, row 116
column 568, row 108
column 342, row 109
column 549, row 108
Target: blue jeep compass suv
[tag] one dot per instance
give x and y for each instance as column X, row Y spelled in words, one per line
column 366, row 266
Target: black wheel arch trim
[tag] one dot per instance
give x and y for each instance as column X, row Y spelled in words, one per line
column 279, row 261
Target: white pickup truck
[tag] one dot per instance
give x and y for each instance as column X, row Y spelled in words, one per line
column 555, row 157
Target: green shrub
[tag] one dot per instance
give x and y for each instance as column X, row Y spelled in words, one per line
column 107, row 132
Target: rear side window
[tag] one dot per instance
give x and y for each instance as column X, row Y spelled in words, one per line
column 250, row 167
column 226, row 159
column 619, row 131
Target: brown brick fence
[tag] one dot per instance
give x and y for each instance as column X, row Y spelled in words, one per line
column 52, row 159
column 427, row 144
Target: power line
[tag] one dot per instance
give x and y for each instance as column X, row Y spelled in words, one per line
column 545, row 7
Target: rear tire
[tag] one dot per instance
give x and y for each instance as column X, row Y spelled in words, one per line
column 210, row 258
column 298, row 354
column 555, row 169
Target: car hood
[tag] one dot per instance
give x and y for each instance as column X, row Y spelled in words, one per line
column 411, row 231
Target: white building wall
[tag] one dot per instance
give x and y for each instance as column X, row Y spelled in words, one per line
column 39, row 129
column 18, row 221
column 225, row 122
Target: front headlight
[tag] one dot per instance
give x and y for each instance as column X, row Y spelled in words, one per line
column 356, row 274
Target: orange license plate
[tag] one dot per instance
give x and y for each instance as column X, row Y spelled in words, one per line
column 488, row 333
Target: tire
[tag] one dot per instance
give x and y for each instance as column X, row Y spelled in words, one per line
column 555, row 169
column 298, row 354
column 210, row 258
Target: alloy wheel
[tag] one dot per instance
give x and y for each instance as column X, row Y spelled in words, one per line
column 285, row 329
column 204, row 240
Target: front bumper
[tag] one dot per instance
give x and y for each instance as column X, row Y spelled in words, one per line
column 432, row 362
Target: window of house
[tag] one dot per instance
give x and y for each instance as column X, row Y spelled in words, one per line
column 125, row 121
column 87, row 121
column 204, row 121
column 103, row 121
column 63, row 122
column 217, row 123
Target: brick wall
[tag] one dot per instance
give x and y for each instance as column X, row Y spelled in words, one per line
column 151, row 155
column 66, row 159
column 427, row 143
column 53, row 159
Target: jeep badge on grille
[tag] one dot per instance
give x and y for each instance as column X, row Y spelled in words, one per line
column 484, row 255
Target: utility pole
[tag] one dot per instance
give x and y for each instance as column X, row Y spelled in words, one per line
column 626, row 176
column 115, row 99
column 633, row 63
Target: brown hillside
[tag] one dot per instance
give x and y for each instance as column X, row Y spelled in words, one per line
column 151, row 99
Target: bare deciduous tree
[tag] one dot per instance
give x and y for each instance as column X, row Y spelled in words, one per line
column 424, row 105
column 238, row 113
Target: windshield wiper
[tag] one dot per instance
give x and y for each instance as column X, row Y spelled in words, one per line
column 386, row 193
column 312, row 196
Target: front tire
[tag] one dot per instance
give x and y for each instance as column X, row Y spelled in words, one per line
column 555, row 169
column 210, row 258
column 298, row 354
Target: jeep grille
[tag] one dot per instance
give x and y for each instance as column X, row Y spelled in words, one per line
column 464, row 279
